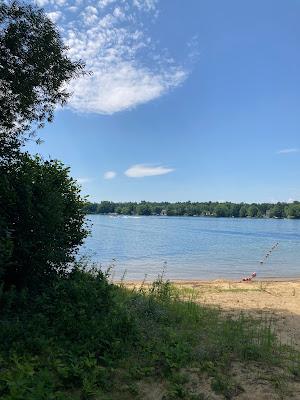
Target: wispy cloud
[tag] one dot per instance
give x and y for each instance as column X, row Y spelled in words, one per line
column 287, row 151
column 110, row 175
column 82, row 181
column 141, row 170
column 127, row 67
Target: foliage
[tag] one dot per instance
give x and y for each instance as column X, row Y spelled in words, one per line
column 42, row 222
column 62, row 338
column 84, row 338
column 41, row 219
column 34, row 68
column 212, row 209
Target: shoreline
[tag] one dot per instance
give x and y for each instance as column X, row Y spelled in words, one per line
column 276, row 301
column 210, row 281
column 115, row 215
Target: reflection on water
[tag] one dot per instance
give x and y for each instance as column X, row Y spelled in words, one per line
column 194, row 247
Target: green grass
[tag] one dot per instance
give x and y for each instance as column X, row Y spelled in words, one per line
column 84, row 338
column 197, row 293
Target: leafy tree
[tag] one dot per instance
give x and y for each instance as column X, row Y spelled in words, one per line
column 41, row 219
column 234, row 210
column 243, row 211
column 90, row 208
column 143, row 209
column 221, row 210
column 34, row 70
column 277, row 211
column 293, row 210
column 105, row 207
column 42, row 222
column 252, row 211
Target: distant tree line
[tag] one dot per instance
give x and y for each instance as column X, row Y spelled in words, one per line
column 209, row 209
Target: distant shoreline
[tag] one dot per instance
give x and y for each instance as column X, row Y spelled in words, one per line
column 203, row 209
column 192, row 216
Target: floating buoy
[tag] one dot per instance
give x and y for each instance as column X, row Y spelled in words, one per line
column 249, row 278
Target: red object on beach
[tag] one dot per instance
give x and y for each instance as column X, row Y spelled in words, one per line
column 249, row 278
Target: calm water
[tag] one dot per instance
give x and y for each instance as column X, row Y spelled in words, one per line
column 193, row 247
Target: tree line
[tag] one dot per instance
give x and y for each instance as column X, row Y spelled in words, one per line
column 209, row 209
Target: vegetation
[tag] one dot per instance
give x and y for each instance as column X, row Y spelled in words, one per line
column 84, row 338
column 68, row 333
column 212, row 209
column 41, row 220
column 34, row 71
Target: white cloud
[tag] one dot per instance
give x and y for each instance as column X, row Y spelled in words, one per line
column 127, row 68
column 145, row 4
column 55, row 3
column 123, row 86
column 82, row 181
column 54, row 15
column 90, row 15
column 42, row 3
column 141, row 170
column 110, row 175
column 287, row 151
column 104, row 3
column 72, row 9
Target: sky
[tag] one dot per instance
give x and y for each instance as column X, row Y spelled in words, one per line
column 187, row 99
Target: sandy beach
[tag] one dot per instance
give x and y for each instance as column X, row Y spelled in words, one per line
column 276, row 300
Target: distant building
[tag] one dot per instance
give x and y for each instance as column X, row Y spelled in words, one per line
column 163, row 212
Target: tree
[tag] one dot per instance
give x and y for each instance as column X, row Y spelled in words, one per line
column 277, row 211
column 34, row 71
column 221, row 210
column 253, row 211
column 243, row 211
column 43, row 221
column 293, row 210
column 143, row 209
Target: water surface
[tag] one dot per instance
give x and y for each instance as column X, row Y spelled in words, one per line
column 195, row 247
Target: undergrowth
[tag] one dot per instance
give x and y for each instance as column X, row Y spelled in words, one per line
column 85, row 338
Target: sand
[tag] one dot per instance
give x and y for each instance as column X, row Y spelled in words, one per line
column 278, row 301
column 275, row 299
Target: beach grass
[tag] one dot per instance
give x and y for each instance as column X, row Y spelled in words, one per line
column 89, row 339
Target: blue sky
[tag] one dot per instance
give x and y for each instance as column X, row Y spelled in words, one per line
column 189, row 100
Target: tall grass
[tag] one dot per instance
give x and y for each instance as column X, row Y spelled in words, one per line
column 86, row 338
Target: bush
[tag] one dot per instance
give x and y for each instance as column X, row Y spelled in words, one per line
column 80, row 313
column 42, row 223
column 65, row 338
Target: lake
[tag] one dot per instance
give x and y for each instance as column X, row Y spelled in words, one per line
column 194, row 247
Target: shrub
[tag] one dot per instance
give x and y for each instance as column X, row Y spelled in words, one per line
column 42, row 222
column 67, row 337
